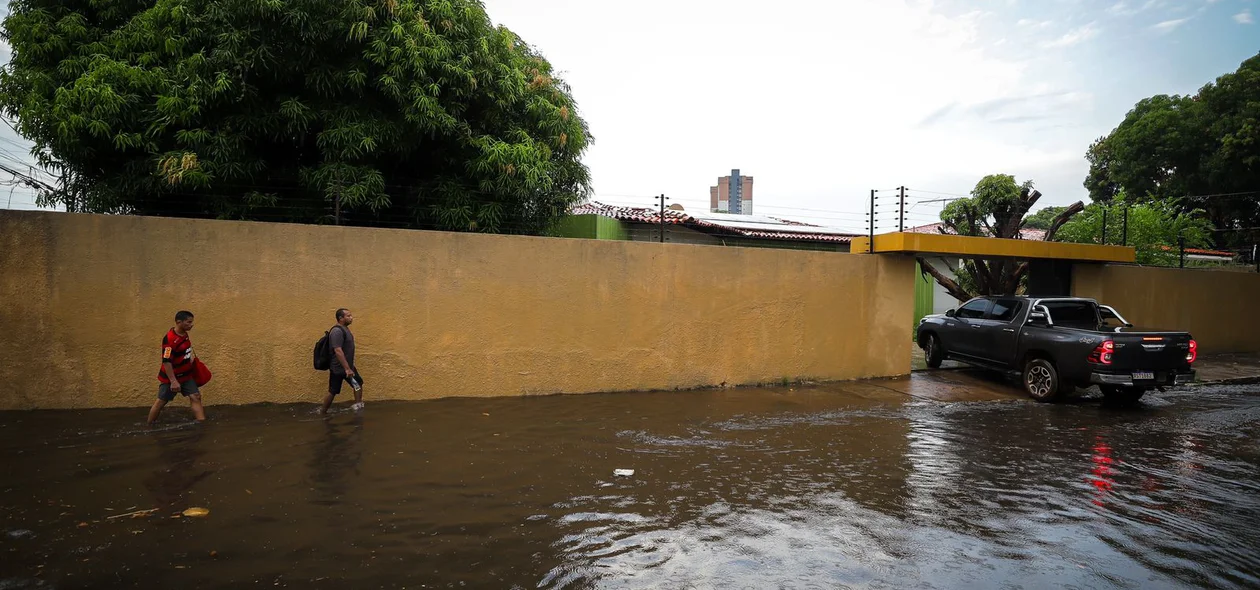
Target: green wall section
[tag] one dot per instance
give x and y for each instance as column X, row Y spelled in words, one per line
column 607, row 228
column 923, row 292
column 591, row 227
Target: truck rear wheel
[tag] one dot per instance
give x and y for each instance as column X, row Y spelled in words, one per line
column 1041, row 381
column 932, row 351
column 1121, row 395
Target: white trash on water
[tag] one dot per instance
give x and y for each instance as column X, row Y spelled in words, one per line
column 623, row 472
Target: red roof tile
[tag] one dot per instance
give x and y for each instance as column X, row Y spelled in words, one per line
column 1026, row 233
column 790, row 230
column 1201, row 252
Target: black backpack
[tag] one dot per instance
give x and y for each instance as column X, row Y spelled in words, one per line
column 323, row 354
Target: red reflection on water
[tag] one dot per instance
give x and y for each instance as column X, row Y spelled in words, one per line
column 1102, row 475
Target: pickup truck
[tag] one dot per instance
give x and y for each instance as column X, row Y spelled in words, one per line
column 1058, row 344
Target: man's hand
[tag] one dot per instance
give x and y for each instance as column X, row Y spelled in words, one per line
column 349, row 372
column 176, row 387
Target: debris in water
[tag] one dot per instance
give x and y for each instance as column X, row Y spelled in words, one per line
column 136, row 514
column 19, row 533
column 83, row 525
column 196, row 512
column 623, row 472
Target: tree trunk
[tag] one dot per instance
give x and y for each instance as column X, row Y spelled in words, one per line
column 950, row 285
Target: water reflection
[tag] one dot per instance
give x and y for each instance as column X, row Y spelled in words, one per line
column 336, row 458
column 1102, row 473
column 826, row 487
column 178, row 469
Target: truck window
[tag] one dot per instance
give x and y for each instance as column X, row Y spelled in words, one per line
column 974, row 309
column 1076, row 314
column 1005, row 310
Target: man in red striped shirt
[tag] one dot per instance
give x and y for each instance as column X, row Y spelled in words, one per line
column 177, row 375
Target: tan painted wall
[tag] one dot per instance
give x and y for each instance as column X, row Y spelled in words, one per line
column 85, row 300
column 1217, row 308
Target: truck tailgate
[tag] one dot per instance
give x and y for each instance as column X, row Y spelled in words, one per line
column 1150, row 351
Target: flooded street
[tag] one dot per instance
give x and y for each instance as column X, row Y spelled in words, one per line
column 845, row 485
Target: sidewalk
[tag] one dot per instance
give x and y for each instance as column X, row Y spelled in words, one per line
column 1228, row 368
column 1210, row 368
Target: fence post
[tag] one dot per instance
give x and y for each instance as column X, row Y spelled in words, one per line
column 1104, row 227
column 1124, row 235
column 870, row 248
column 901, row 226
column 1181, row 245
column 1255, row 255
column 662, row 200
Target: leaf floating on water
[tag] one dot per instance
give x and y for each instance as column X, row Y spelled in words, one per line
column 197, row 512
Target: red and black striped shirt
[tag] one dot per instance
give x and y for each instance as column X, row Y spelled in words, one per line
column 176, row 350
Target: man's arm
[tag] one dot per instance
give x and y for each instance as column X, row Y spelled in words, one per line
column 170, row 375
column 335, row 339
column 341, row 358
column 168, row 367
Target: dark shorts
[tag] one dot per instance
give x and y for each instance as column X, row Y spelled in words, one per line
column 335, row 380
column 187, row 388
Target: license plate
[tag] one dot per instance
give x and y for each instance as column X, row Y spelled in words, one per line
column 1144, row 376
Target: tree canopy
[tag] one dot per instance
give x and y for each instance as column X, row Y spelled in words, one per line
column 1153, row 229
column 1043, row 217
column 1202, row 150
column 996, row 208
column 412, row 113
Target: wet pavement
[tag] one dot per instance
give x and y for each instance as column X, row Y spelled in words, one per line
column 1210, row 368
column 866, row 485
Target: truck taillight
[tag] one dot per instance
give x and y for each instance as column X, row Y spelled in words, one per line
column 1194, row 352
column 1103, row 353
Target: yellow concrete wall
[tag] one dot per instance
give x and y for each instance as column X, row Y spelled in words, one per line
column 85, row 300
column 1218, row 308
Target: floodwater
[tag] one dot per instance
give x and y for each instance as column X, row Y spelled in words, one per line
column 849, row 485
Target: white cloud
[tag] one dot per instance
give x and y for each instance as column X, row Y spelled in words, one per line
column 1123, row 8
column 1243, row 18
column 1033, row 24
column 819, row 110
column 1074, row 37
column 1169, row 26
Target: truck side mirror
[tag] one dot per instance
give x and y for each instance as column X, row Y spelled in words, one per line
column 949, row 313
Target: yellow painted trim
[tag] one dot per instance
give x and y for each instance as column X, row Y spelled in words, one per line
column 971, row 247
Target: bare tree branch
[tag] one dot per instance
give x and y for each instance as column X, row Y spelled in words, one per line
column 951, row 286
column 1063, row 218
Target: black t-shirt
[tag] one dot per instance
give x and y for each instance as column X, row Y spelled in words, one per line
column 340, row 336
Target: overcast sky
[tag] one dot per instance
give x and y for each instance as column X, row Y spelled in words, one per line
column 823, row 100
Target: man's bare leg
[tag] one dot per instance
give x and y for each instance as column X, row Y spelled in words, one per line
column 328, row 400
column 155, row 410
column 199, row 411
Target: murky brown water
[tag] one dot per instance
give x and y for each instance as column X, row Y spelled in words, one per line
column 842, row 486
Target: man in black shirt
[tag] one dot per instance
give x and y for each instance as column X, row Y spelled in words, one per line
column 342, row 370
